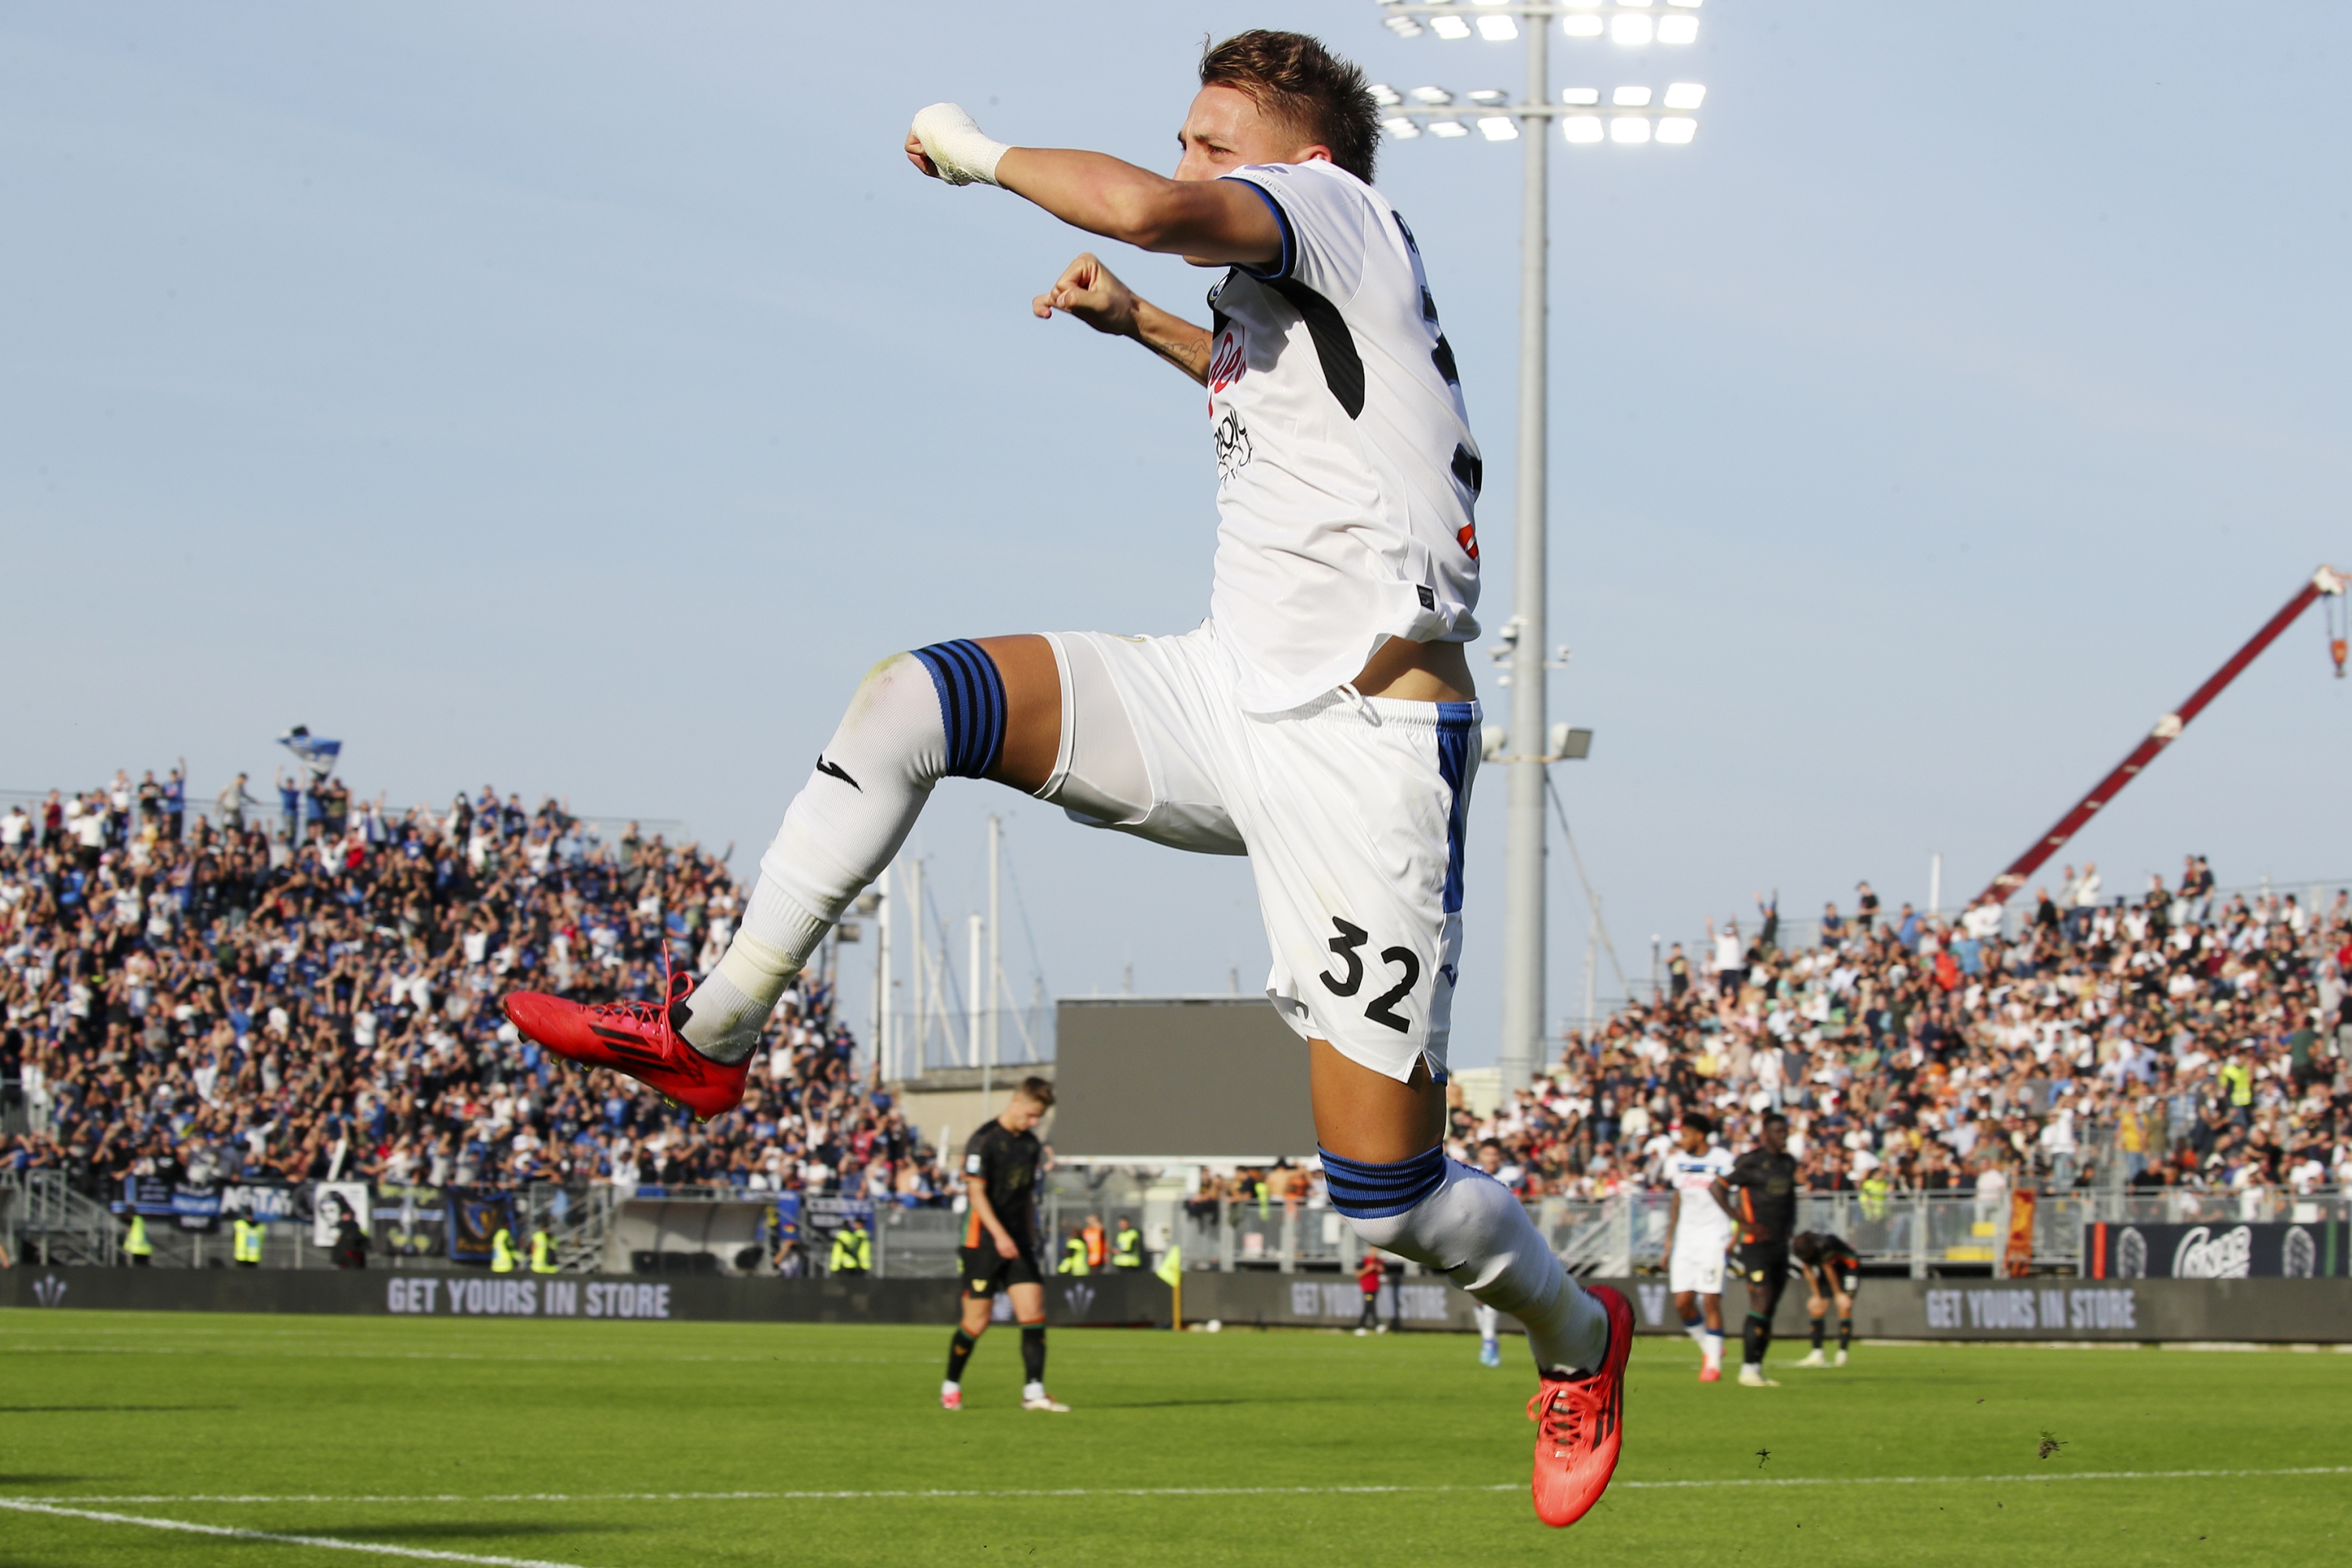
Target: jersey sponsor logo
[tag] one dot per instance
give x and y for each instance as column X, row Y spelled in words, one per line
column 1232, row 446
column 1228, row 365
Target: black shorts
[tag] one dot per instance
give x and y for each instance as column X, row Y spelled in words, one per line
column 1844, row 1273
column 1764, row 1263
column 983, row 1269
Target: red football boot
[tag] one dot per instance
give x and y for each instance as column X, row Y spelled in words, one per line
column 636, row 1038
column 1580, row 1424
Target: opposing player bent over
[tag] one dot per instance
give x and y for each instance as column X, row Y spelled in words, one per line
column 1000, row 1243
column 1698, row 1234
column 1832, row 1272
column 1321, row 721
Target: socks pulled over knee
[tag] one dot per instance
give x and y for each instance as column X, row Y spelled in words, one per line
column 1468, row 1227
column 916, row 718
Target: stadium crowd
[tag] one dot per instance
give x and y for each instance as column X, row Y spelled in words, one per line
column 226, row 998
column 2183, row 1038
column 315, row 998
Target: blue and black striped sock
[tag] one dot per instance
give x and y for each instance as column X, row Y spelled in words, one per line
column 1361, row 1190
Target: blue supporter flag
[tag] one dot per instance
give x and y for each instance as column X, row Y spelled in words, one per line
column 318, row 753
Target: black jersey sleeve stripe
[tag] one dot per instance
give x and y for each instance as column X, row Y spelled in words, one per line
column 1335, row 345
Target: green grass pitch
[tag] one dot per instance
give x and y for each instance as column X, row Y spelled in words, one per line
column 555, row 1443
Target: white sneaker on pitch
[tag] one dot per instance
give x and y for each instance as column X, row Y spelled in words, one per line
column 1752, row 1376
column 1813, row 1359
column 1044, row 1402
column 1840, row 1358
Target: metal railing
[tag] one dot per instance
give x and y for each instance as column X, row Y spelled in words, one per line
column 49, row 1221
column 267, row 817
column 1919, row 1233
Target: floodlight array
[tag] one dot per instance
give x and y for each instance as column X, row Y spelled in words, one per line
column 1633, row 114
column 1632, row 23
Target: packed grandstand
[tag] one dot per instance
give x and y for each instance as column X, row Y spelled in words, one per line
column 190, row 999
column 196, row 998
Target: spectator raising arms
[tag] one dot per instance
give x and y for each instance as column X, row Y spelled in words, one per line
column 2186, row 1039
column 209, row 1004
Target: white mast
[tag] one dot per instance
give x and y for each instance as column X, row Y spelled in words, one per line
column 922, row 957
column 995, row 944
column 883, row 911
column 972, row 997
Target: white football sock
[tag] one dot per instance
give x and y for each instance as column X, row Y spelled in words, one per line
column 1711, row 1346
column 841, row 830
column 1490, row 1322
column 1697, row 1329
column 1475, row 1233
column 951, row 1386
column 1033, row 1391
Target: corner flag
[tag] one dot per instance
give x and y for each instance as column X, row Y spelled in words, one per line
column 1172, row 1267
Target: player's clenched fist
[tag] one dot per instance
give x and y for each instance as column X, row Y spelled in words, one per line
column 946, row 145
column 1093, row 293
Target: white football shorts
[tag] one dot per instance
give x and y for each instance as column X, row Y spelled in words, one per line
column 1698, row 1268
column 1351, row 809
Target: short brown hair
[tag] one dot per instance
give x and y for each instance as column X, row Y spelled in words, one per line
column 1037, row 1091
column 1313, row 91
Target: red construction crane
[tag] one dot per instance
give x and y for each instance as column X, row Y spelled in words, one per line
column 2327, row 582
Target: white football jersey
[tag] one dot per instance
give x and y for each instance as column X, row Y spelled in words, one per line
column 1347, row 474
column 1702, row 1225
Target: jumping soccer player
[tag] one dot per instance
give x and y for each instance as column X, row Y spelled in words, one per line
column 1832, row 1272
column 1759, row 1193
column 1000, row 1243
column 1322, row 722
column 1698, row 1233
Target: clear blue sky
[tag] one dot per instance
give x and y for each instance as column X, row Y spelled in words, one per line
column 580, row 396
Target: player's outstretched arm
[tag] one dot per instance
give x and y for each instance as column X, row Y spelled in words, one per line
column 1211, row 223
column 1093, row 293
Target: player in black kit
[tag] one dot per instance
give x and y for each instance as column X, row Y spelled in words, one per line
column 1000, row 1243
column 1760, row 1196
column 1833, row 1273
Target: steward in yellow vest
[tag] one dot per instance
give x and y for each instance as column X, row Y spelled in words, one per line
column 853, row 1250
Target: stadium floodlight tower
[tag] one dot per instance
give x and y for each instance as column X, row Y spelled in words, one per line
column 1632, row 116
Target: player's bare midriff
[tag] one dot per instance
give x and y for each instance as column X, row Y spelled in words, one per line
column 1417, row 672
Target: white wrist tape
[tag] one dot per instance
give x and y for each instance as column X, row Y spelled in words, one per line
column 954, row 141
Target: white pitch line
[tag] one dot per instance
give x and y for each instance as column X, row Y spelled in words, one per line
column 23, row 1505
column 949, row 1493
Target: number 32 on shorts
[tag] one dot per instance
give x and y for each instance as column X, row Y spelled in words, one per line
column 1353, row 937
